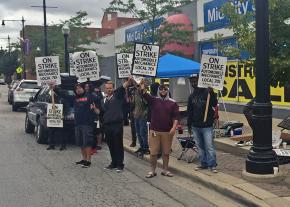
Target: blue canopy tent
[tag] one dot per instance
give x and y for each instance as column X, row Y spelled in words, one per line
column 172, row 66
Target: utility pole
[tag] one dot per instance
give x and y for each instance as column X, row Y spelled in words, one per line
column 45, row 26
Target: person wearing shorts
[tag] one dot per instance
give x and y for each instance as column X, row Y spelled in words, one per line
column 164, row 119
column 85, row 113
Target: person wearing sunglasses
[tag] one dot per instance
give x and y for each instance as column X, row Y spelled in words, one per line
column 164, row 119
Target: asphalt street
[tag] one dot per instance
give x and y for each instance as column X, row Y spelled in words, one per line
column 31, row 176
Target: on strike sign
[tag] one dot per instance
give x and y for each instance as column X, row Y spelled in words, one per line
column 86, row 66
column 47, row 69
column 212, row 72
column 124, row 64
column 54, row 116
column 71, row 65
column 145, row 59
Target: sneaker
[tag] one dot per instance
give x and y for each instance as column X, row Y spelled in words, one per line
column 138, row 150
column 80, row 162
column 240, row 143
column 249, row 143
column 200, row 167
column 213, row 169
column 86, row 164
column 119, row 169
column 62, row 148
column 133, row 144
column 146, row 151
column 98, row 147
column 110, row 167
column 50, row 148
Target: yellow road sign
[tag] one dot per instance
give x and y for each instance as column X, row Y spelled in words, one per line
column 19, row 70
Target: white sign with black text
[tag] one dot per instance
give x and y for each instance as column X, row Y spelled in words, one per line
column 124, row 64
column 47, row 70
column 71, row 65
column 55, row 116
column 145, row 59
column 86, row 66
column 212, row 72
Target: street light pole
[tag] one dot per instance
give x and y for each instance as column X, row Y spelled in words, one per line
column 23, row 47
column 65, row 31
column 45, row 29
column 66, row 52
column 261, row 158
column 9, row 47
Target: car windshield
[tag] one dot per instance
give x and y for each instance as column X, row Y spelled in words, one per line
column 29, row 85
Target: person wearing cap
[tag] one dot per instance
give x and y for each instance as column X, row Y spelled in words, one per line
column 164, row 119
column 200, row 125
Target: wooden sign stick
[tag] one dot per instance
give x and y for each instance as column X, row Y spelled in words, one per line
column 53, row 101
column 206, row 108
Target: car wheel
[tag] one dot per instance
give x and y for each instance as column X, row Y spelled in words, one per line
column 29, row 127
column 41, row 134
column 14, row 107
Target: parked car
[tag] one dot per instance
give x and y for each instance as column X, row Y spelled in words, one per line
column 11, row 88
column 37, row 108
column 2, row 82
column 22, row 93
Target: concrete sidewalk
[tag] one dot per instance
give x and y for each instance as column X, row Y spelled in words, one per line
column 231, row 162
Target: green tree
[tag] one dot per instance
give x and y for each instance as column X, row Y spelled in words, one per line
column 244, row 29
column 149, row 11
column 8, row 62
column 79, row 35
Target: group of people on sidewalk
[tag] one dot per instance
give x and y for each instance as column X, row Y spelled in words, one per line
column 154, row 119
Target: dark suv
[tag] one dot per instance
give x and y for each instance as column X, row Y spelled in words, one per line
column 36, row 114
column 37, row 108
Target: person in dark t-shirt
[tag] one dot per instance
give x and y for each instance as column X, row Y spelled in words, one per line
column 85, row 113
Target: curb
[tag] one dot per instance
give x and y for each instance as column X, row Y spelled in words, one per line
column 234, row 189
column 234, row 150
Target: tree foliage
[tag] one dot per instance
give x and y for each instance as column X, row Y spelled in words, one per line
column 148, row 11
column 79, row 35
column 244, row 29
column 8, row 62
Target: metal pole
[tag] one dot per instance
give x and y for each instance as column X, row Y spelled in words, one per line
column 45, row 29
column 24, row 58
column 66, row 53
column 9, row 48
column 261, row 158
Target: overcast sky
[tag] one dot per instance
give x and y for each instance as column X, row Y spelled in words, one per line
column 15, row 9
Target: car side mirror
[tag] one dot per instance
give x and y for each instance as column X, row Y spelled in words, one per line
column 31, row 99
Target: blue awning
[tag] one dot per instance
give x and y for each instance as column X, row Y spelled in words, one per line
column 172, row 66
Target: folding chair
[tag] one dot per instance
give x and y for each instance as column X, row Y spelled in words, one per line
column 187, row 144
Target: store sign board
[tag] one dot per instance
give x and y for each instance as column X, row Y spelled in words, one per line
column 213, row 17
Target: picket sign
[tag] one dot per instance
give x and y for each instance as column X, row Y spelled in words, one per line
column 211, row 74
column 124, row 64
column 145, row 59
column 86, row 66
column 47, row 70
column 72, row 68
column 55, row 115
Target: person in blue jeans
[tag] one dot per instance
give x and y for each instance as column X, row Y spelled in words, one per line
column 201, row 127
column 140, row 114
